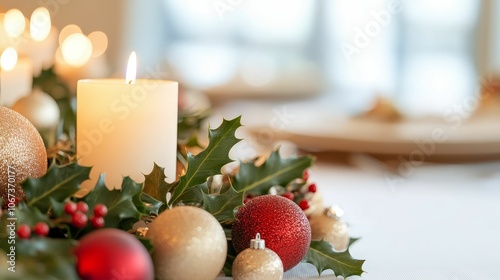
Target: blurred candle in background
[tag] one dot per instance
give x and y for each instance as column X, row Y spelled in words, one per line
column 16, row 77
column 80, row 56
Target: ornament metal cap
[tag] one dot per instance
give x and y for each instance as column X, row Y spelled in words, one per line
column 334, row 212
column 257, row 243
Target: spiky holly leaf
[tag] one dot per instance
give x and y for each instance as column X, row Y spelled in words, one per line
column 42, row 258
column 30, row 215
column 275, row 171
column 120, row 203
column 155, row 184
column 57, row 184
column 222, row 206
column 322, row 255
column 148, row 205
column 209, row 161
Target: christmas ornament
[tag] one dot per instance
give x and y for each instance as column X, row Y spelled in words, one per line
column 257, row 262
column 316, row 204
column 113, row 254
column 42, row 111
column 189, row 243
column 279, row 221
column 22, row 153
column 329, row 227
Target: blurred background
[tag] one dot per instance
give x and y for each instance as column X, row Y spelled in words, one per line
column 413, row 59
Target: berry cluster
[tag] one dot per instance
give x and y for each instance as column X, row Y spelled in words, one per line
column 298, row 191
column 78, row 212
column 41, row 229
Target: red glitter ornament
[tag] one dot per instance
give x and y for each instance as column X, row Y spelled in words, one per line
column 280, row 222
column 113, row 254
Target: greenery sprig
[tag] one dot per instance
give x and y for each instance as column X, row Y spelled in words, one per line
column 50, row 257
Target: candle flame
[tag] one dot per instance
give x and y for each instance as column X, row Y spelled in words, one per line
column 8, row 60
column 131, row 69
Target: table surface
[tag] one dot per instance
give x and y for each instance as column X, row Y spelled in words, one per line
column 437, row 221
column 421, row 221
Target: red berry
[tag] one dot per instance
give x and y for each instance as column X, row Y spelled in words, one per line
column 79, row 219
column 41, row 229
column 24, row 231
column 305, row 175
column 312, row 188
column 97, row 222
column 289, row 195
column 100, row 210
column 70, row 208
column 304, row 204
column 246, row 200
column 82, row 207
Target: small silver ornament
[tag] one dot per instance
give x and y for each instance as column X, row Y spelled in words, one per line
column 331, row 228
column 257, row 262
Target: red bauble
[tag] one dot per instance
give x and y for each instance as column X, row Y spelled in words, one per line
column 113, row 254
column 280, row 222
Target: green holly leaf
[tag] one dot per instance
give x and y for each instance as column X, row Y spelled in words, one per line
column 148, row 205
column 57, row 207
column 322, row 255
column 209, row 161
column 57, row 184
column 222, row 206
column 30, row 215
column 120, row 203
column 155, row 184
column 352, row 240
column 275, row 171
column 43, row 258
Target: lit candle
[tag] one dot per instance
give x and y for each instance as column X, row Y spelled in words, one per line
column 125, row 126
column 16, row 77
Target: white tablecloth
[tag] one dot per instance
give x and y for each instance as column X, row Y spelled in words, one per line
column 441, row 222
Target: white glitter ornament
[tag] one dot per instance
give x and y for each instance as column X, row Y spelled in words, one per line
column 329, row 227
column 189, row 243
column 42, row 111
column 257, row 262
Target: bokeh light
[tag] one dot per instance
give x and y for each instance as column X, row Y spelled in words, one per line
column 40, row 24
column 8, row 60
column 68, row 30
column 14, row 23
column 99, row 43
column 76, row 49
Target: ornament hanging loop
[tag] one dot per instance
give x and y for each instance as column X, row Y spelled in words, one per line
column 257, row 243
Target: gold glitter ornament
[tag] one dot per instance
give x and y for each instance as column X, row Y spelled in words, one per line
column 257, row 262
column 189, row 243
column 42, row 111
column 22, row 153
column 329, row 227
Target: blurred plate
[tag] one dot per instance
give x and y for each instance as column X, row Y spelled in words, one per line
column 477, row 137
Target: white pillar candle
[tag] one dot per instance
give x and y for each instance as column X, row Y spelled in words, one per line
column 123, row 129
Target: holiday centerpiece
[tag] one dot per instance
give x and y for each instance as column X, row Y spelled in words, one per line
column 210, row 219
